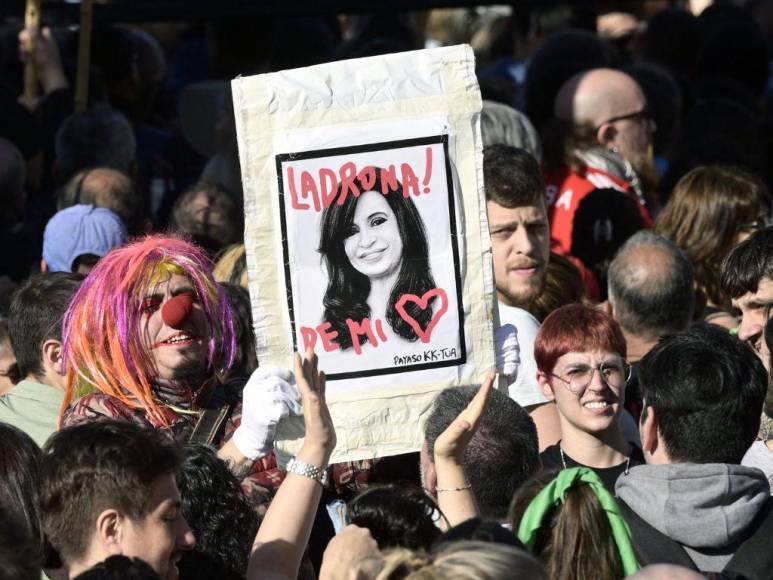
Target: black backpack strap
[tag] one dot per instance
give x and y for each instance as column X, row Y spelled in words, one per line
column 754, row 559
column 211, row 422
column 652, row 546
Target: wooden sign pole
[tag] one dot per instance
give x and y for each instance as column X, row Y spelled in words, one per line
column 31, row 22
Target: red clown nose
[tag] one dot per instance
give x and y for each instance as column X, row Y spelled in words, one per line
column 177, row 310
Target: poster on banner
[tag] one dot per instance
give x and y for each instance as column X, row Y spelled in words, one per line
column 367, row 238
column 370, row 231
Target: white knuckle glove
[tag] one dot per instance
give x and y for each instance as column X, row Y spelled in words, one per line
column 269, row 396
column 507, row 351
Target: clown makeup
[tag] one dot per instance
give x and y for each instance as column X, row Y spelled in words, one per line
column 173, row 328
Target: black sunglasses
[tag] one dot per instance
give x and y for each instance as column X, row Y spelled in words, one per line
column 642, row 115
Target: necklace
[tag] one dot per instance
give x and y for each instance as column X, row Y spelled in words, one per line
column 627, row 460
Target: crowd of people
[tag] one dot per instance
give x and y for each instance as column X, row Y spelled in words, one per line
column 626, row 173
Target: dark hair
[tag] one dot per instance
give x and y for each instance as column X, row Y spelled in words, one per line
column 558, row 59
column 670, row 40
column 512, row 177
column 716, row 131
column 736, row 51
column 120, row 568
column 19, row 476
column 36, row 312
column 13, row 173
column 603, row 222
column 651, row 298
column 396, row 517
column 477, row 530
column 502, row 454
column 768, row 334
column 575, row 540
column 93, row 466
column 219, row 515
column 98, row 137
column 563, row 285
column 19, row 553
column 246, row 359
column 348, row 290
column 707, row 210
column 748, row 263
column 707, row 389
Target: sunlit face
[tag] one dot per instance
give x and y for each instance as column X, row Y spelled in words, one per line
column 752, row 306
column 520, row 242
column 173, row 348
column 596, row 408
column 373, row 243
column 634, row 135
column 161, row 537
column 7, row 360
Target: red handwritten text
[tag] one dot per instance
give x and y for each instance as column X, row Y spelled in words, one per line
column 321, row 190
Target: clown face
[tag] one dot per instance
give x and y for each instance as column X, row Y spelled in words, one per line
column 173, row 327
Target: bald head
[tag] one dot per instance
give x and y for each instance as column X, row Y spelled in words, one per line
column 103, row 187
column 666, row 572
column 651, row 287
column 13, row 173
column 594, row 96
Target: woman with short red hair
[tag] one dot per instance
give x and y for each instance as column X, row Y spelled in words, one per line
column 580, row 354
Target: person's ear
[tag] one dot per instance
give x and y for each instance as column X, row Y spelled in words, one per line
column 545, row 386
column 648, row 430
column 607, row 308
column 430, row 479
column 52, row 355
column 109, row 532
column 606, row 135
column 44, row 266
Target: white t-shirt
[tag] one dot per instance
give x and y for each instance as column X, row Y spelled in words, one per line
column 525, row 390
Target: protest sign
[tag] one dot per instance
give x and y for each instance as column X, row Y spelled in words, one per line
column 367, row 237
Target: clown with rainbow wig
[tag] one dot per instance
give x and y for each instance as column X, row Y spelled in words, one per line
column 149, row 338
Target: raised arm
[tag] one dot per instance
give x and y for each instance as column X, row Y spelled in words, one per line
column 454, row 493
column 284, row 533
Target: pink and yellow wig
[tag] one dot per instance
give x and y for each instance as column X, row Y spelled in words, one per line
column 103, row 349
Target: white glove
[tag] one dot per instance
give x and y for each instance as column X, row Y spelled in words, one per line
column 269, row 396
column 507, row 351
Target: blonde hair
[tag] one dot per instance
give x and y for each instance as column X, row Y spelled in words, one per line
column 231, row 266
column 465, row 560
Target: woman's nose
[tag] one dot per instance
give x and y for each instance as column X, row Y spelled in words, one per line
column 366, row 238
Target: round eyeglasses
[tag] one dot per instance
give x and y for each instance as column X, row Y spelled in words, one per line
column 579, row 376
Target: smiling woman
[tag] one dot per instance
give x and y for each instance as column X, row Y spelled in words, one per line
column 375, row 249
column 580, row 353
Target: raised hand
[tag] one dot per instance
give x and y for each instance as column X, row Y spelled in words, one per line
column 320, row 439
column 452, row 442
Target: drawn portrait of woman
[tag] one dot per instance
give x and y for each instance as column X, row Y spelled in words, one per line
column 375, row 250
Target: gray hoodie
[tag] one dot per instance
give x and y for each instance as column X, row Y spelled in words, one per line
column 705, row 507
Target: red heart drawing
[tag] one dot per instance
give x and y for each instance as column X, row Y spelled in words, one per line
column 423, row 303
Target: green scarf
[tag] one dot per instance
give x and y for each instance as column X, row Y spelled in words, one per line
column 555, row 493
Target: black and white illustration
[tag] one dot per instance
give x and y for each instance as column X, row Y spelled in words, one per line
column 372, row 258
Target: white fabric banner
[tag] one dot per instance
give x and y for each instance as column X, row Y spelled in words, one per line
column 367, row 237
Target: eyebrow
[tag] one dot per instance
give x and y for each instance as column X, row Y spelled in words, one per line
column 175, row 292
column 375, row 213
